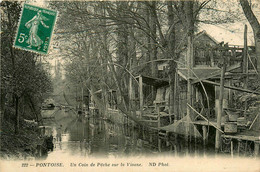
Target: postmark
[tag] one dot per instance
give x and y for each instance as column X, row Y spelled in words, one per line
column 35, row 29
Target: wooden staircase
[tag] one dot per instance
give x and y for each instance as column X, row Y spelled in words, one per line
column 152, row 115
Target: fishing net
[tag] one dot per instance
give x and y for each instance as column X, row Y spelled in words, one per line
column 183, row 127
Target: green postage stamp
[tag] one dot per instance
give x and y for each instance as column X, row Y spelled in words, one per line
column 35, row 29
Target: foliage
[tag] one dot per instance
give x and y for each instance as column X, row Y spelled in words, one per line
column 22, row 74
column 106, row 43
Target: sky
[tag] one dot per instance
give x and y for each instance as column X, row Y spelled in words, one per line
column 232, row 33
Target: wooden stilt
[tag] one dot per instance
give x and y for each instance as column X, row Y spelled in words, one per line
column 238, row 147
column 175, row 150
column 189, row 87
column 159, row 125
column 167, row 139
column 175, row 144
column 204, row 130
column 232, row 149
column 245, row 149
column 143, row 132
column 151, row 138
column 195, row 142
column 141, row 96
column 160, row 145
column 220, row 107
column 175, row 98
column 245, row 61
column 256, row 151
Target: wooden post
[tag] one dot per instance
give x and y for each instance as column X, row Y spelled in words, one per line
column 220, row 107
column 195, row 142
column 230, row 93
column 143, row 132
column 159, row 115
column 130, row 91
column 245, row 61
column 175, row 149
column 189, row 87
column 256, row 152
column 245, row 153
column 245, row 58
column 211, row 59
column 159, row 125
column 238, row 147
column 82, row 98
column 232, row 149
column 205, row 137
column 189, row 68
column 167, row 139
column 204, row 130
column 175, row 97
column 141, row 96
column 160, row 145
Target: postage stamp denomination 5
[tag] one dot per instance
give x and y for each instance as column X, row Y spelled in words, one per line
column 35, row 29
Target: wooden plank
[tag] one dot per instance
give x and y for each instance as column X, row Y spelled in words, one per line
column 155, row 115
column 205, row 123
column 253, row 121
column 151, row 116
column 166, row 115
column 164, row 134
column 149, row 121
column 230, row 87
column 242, row 137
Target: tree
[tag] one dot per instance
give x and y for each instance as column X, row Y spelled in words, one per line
column 255, row 26
column 24, row 77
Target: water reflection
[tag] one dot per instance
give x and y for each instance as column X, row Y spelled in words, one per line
column 82, row 136
column 95, row 137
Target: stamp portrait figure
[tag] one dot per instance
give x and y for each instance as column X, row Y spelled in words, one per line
column 33, row 24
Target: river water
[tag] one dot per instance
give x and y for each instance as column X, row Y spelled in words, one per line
column 90, row 137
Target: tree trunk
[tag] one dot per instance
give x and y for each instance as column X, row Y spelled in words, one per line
column 188, row 5
column 153, row 41
column 34, row 109
column 153, row 51
column 16, row 127
column 122, row 52
column 3, row 100
column 190, row 58
column 255, row 26
column 172, row 64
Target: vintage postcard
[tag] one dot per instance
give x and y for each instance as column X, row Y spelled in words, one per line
column 130, row 86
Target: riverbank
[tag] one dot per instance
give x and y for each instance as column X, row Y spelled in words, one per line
column 18, row 146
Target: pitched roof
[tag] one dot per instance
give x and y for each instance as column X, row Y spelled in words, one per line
column 198, row 72
column 198, row 35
